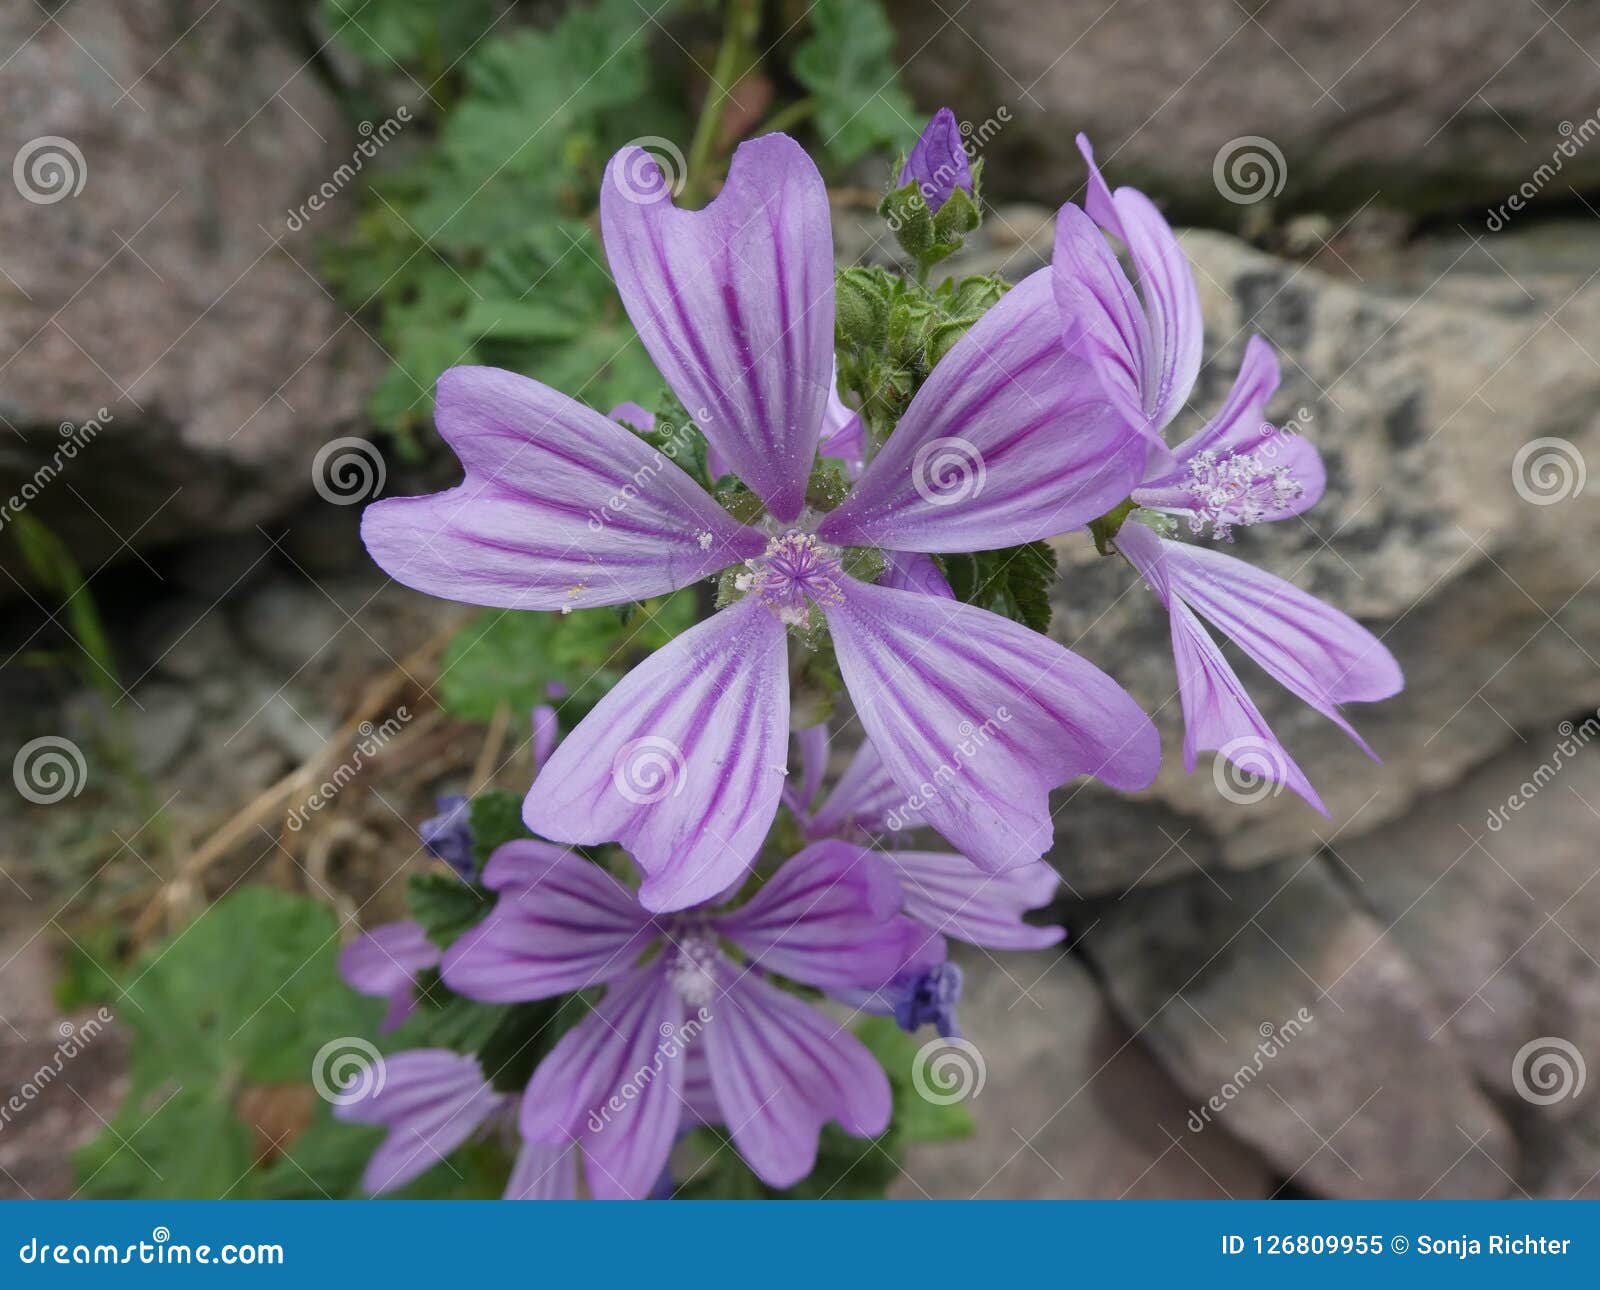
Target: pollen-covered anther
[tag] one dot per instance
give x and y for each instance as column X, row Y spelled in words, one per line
column 692, row 971
column 796, row 571
column 1239, row 489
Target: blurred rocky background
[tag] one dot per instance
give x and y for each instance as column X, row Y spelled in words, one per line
column 1403, row 200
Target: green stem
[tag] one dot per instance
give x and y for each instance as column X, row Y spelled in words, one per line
column 740, row 24
column 788, row 117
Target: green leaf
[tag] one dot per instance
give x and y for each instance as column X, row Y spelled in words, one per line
column 496, row 818
column 513, row 657
column 446, row 906
column 1014, row 582
column 848, row 65
column 389, row 33
column 246, row 995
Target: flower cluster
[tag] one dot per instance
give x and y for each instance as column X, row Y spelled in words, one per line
column 833, row 536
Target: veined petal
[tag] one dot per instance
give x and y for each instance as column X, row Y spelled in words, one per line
column 431, row 1100
column 977, row 718
column 561, row 507
column 781, row 1070
column 614, row 1083
column 561, row 923
column 1099, row 314
column 952, row 895
column 801, row 790
column 683, row 762
column 913, row 571
column 828, row 917
column 735, row 304
column 543, row 1172
column 1175, row 329
column 866, row 799
column 1319, row 654
column 384, row 961
column 1218, row 713
column 1000, row 446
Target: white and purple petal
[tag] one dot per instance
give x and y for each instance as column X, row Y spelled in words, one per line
column 1006, row 442
column 562, row 923
column 561, row 508
column 612, row 1084
column 829, row 917
column 781, row 1070
column 431, row 1100
column 953, row 896
column 977, row 718
column 682, row 762
column 734, row 304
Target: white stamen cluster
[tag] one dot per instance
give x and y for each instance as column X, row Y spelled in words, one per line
column 796, row 570
column 1238, row 489
column 692, row 971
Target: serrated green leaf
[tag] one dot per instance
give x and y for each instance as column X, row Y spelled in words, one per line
column 446, row 906
column 849, row 67
column 496, row 818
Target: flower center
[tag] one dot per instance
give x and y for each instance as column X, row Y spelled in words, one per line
column 1224, row 491
column 692, row 971
column 796, row 570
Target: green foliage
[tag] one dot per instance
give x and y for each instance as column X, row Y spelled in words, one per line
column 847, row 1168
column 507, row 656
column 446, row 906
column 241, row 998
column 1015, row 582
column 848, row 65
column 429, row 33
column 496, row 818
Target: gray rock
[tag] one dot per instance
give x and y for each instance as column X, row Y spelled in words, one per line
column 168, row 292
column 1289, row 1020
column 1070, row 1105
column 1490, row 889
column 1420, row 404
column 162, row 726
column 291, row 624
column 186, row 639
column 1430, row 108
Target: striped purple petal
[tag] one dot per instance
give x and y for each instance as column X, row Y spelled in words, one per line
column 1006, row 442
column 977, row 718
column 543, row 1172
column 431, row 1100
column 781, row 1070
column 734, row 303
column 384, row 961
column 561, row 507
column 953, row 896
column 562, row 923
column 682, row 762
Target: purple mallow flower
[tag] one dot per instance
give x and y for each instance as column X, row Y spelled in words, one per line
column 938, row 161
column 432, row 1101
column 1236, row 470
column 691, row 1029
column 562, row 508
column 384, row 962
